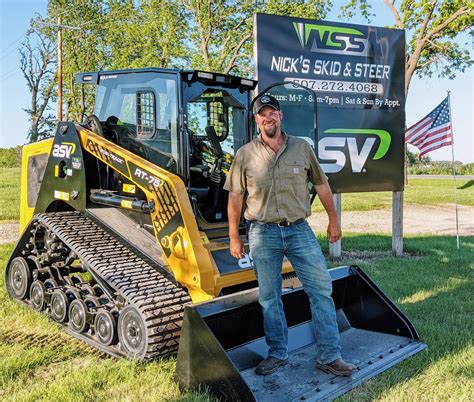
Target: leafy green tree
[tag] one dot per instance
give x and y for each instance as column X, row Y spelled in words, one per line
column 147, row 33
column 10, row 157
column 221, row 31
column 83, row 49
column 37, row 58
column 412, row 158
column 432, row 27
column 114, row 34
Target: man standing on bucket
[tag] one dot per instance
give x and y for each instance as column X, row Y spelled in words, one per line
column 274, row 170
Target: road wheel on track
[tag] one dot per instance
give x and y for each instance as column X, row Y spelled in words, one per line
column 59, row 306
column 86, row 288
column 78, row 315
column 105, row 326
column 98, row 290
column 38, row 295
column 132, row 332
column 18, row 278
column 72, row 293
column 50, row 284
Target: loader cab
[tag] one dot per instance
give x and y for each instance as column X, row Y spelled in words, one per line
column 190, row 123
column 216, row 124
column 139, row 112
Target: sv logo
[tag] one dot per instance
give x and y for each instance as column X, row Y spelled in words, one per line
column 331, row 148
column 64, row 150
column 332, row 39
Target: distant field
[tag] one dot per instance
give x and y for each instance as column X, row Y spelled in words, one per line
column 9, row 193
column 417, row 191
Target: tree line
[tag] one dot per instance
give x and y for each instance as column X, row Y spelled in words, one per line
column 213, row 35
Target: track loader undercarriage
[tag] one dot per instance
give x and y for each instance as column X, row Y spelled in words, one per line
column 104, row 293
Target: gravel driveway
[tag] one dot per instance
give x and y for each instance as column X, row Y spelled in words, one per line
column 417, row 219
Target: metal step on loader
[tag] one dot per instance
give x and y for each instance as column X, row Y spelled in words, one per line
column 125, row 242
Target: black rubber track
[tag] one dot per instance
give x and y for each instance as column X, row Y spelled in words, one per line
column 158, row 298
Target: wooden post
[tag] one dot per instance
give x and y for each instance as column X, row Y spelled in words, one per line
column 60, row 71
column 60, row 28
column 397, row 223
column 335, row 248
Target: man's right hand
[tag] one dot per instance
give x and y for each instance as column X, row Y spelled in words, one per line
column 234, row 211
column 237, row 249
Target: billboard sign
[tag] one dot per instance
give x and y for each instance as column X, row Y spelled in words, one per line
column 357, row 75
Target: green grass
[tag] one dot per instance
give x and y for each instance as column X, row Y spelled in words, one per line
column 417, row 191
column 432, row 286
column 39, row 361
column 9, row 193
column 439, row 191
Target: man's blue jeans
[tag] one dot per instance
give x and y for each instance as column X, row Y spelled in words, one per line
column 268, row 245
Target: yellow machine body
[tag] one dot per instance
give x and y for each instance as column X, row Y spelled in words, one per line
column 190, row 259
column 189, row 256
column 33, row 162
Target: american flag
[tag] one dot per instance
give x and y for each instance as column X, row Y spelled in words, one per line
column 433, row 131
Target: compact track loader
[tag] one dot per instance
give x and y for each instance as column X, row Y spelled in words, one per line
column 124, row 242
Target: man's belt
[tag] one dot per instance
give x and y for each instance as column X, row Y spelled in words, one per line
column 284, row 223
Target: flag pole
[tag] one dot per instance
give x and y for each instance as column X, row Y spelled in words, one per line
column 454, row 170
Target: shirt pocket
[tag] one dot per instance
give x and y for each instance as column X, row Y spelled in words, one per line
column 296, row 171
column 258, row 181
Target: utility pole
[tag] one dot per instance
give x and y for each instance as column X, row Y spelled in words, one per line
column 60, row 28
column 60, row 70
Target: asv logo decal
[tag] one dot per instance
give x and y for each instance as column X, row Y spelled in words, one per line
column 331, row 39
column 64, row 150
column 246, row 261
column 331, row 148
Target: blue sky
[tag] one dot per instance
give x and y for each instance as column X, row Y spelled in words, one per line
column 424, row 95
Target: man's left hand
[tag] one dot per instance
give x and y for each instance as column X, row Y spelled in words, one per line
column 326, row 198
column 334, row 231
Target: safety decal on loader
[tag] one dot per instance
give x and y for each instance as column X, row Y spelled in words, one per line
column 61, row 195
column 129, row 188
column 76, row 163
column 108, row 157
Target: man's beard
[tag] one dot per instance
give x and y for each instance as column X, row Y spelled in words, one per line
column 270, row 131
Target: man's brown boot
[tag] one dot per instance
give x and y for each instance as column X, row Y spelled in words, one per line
column 269, row 365
column 337, row 367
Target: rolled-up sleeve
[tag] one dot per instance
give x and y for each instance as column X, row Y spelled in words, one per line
column 315, row 174
column 235, row 181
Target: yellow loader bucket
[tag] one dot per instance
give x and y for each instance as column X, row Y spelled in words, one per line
column 222, row 341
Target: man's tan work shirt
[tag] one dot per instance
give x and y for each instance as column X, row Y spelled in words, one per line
column 277, row 184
